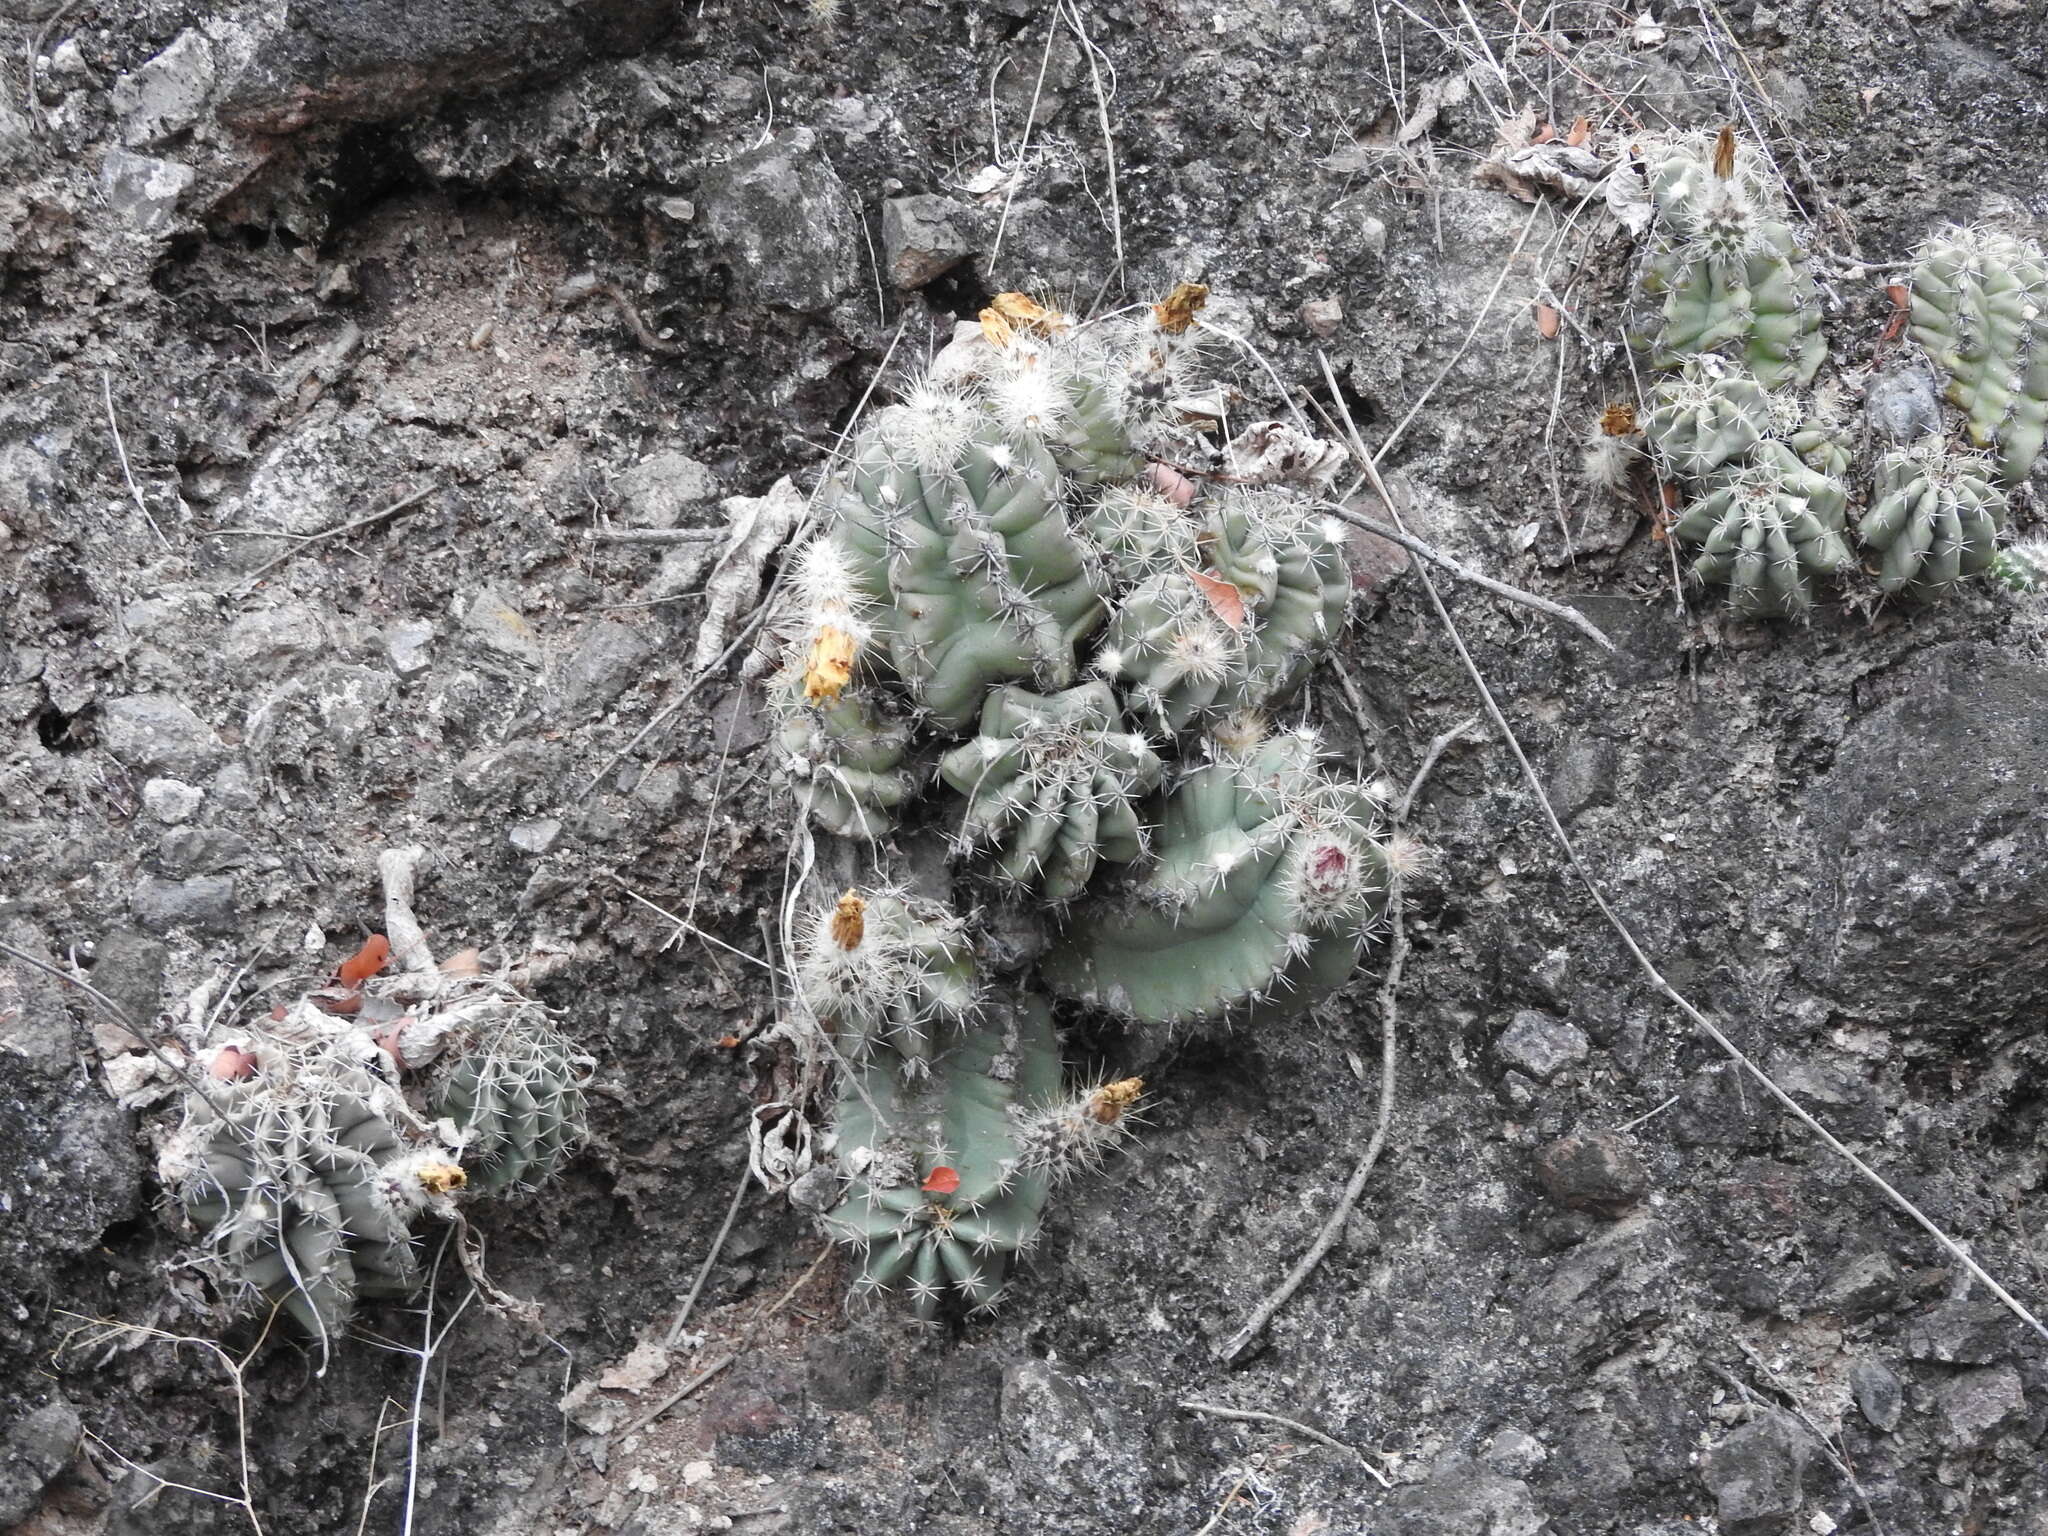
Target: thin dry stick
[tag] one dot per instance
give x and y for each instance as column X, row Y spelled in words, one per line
column 308, row 540
column 1429, row 552
column 235, row 1369
column 430, row 1341
column 121, row 452
column 35, row 50
column 1023, row 139
column 1656, row 978
column 684, row 926
column 1229, row 1499
column 1389, row 1007
column 732, row 1211
column 746, row 1343
column 1253, row 1416
column 1088, row 48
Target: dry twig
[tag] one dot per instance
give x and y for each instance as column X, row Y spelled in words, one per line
column 1254, row 1416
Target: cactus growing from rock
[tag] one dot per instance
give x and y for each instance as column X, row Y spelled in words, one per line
column 1934, row 517
column 944, row 1191
column 1267, row 881
column 1004, row 554
column 1980, row 309
column 300, row 1182
column 1707, row 420
column 1766, row 533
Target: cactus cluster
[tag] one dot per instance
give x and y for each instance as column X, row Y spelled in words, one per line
column 1017, row 632
column 1765, row 466
column 322, row 1136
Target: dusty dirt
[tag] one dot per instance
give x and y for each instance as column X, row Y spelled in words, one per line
column 324, row 262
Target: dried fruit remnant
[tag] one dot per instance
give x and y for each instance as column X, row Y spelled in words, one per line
column 849, row 921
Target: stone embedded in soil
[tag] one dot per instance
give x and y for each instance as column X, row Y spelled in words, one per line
column 405, row 647
column 925, row 236
column 607, row 660
column 1540, row 1045
column 780, row 216
column 206, row 903
column 536, row 836
column 143, row 189
column 172, row 801
column 167, row 95
column 1880, row 1395
column 1964, row 1333
column 1976, row 1404
column 1600, row 1173
column 202, row 851
column 154, row 733
column 37, row 1448
column 663, row 487
column 494, row 623
column 1757, row 1475
column 1462, row 1497
column 1323, row 317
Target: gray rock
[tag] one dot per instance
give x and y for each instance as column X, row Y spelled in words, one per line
column 608, row 659
column 1323, row 318
column 494, row 623
column 536, row 836
column 926, row 236
column 1063, row 1439
column 657, row 788
column 34, row 1023
column 781, row 218
column 1929, row 904
column 206, row 903
column 1756, row 1475
column 372, row 60
column 236, row 789
column 1903, row 403
column 172, row 801
column 405, row 647
column 201, row 851
column 272, row 641
column 154, row 733
column 1976, row 1404
column 1861, row 1285
column 1964, row 1333
column 351, row 703
column 663, row 487
column 167, row 95
column 1515, row 1453
column 129, row 967
column 1540, row 1045
column 1463, row 1497
column 39, row 1446
column 142, row 189
column 1880, row 1395
column 1600, row 1173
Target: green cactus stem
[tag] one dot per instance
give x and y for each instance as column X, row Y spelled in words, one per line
column 853, row 761
column 945, row 1191
column 1706, row 420
column 295, row 1196
column 1267, row 879
column 1934, row 517
column 1766, row 534
column 1730, row 269
column 517, row 1099
column 1052, row 786
column 1980, row 309
column 956, row 534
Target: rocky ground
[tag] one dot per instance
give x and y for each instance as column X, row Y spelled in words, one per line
column 471, row 288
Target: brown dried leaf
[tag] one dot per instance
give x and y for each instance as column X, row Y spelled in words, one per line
column 1582, row 130
column 464, row 962
column 1547, row 321
column 1176, row 312
column 1224, row 598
